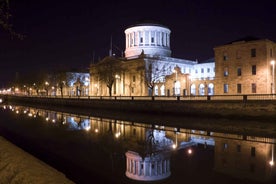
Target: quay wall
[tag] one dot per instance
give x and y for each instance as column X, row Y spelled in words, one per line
column 255, row 109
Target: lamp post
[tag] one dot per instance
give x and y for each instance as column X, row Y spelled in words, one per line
column 273, row 76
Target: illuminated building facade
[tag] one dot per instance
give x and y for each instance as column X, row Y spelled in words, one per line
column 245, row 67
column 146, row 66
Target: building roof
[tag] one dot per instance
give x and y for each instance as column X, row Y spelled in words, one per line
column 147, row 23
column 245, row 39
column 210, row 60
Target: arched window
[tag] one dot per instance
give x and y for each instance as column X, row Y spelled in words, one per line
column 162, row 90
column 156, row 90
column 211, row 89
column 201, row 90
column 193, row 89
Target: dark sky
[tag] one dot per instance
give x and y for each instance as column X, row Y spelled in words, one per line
column 69, row 34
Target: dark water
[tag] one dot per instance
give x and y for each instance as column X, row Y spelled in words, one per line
column 88, row 149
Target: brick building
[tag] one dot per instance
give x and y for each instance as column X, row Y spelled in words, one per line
column 245, row 66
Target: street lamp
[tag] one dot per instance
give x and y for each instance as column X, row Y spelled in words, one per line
column 273, row 76
column 175, row 71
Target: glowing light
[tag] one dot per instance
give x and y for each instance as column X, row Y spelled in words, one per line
column 117, row 134
column 30, row 114
column 96, row 130
column 271, row 163
column 87, row 128
column 190, row 151
column 1, row 100
column 174, row 146
column 47, row 119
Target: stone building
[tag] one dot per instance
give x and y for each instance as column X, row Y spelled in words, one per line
column 146, row 66
column 245, row 66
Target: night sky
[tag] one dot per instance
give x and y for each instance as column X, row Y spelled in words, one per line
column 72, row 34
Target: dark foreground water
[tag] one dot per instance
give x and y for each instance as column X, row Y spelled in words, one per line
column 93, row 149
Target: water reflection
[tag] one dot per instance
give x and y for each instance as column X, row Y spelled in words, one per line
column 149, row 148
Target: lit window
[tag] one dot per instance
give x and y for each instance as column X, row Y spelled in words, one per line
column 225, row 73
column 225, row 88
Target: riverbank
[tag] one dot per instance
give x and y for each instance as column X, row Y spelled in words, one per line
column 17, row 166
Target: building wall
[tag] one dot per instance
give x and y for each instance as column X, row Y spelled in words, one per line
column 244, row 55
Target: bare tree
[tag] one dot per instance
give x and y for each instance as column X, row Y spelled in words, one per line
column 5, row 19
column 107, row 70
column 154, row 73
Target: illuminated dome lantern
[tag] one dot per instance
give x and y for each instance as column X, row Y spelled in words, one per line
column 151, row 39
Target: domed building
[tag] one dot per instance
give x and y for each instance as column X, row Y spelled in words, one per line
column 148, row 68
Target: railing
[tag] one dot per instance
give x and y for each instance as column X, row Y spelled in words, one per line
column 166, row 98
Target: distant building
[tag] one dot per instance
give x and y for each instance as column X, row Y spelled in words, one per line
column 149, row 69
column 245, row 67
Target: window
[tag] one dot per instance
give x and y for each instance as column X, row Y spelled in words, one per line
column 254, row 69
column 141, row 40
column 224, row 146
column 239, row 88
column 271, row 53
column 254, row 88
column 133, row 78
column 253, row 151
column 225, row 73
column 225, row 57
column 152, row 39
column 195, row 70
column 253, row 52
column 239, row 72
column 202, row 70
column 132, row 89
column 239, row 148
column 208, row 70
column 225, row 88
column 238, row 54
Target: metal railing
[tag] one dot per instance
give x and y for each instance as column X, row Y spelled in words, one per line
column 165, row 98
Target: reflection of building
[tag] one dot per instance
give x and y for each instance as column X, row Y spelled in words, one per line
column 150, row 168
column 245, row 156
column 145, row 66
column 244, row 67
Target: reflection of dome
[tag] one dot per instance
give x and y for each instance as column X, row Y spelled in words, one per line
column 151, row 39
column 151, row 168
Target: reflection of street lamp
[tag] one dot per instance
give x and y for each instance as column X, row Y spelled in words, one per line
column 271, row 163
column 273, row 76
column 46, row 84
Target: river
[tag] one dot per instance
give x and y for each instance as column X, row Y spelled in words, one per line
column 113, row 150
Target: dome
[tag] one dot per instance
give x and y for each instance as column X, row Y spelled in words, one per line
column 150, row 38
